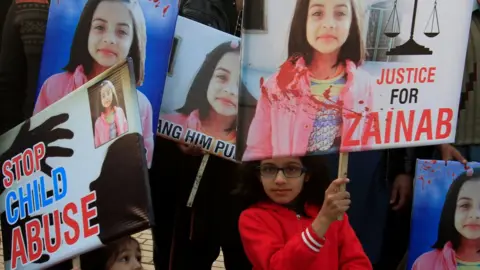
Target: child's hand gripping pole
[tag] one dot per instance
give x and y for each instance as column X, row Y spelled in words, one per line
column 342, row 173
column 197, row 180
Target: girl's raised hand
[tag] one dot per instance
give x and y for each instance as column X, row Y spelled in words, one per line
column 336, row 201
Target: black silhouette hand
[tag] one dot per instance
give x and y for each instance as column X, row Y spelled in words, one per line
column 123, row 194
column 45, row 133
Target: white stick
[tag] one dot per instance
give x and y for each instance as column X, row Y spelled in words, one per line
column 196, row 184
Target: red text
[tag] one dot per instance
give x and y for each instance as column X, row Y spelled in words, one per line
column 27, row 162
column 407, row 75
column 400, row 127
column 30, row 249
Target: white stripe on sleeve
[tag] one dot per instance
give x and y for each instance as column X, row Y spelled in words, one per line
column 310, row 237
column 309, row 244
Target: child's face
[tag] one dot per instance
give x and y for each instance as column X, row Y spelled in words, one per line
column 106, row 96
column 111, row 33
column 222, row 91
column 129, row 259
column 467, row 214
column 279, row 187
column 328, row 24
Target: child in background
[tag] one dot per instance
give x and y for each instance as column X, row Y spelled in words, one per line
column 112, row 121
column 123, row 254
column 308, row 105
column 290, row 224
column 107, row 33
column 458, row 242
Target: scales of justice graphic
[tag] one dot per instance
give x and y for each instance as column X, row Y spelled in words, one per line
column 411, row 47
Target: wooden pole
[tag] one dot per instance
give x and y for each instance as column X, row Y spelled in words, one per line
column 342, row 172
column 76, row 263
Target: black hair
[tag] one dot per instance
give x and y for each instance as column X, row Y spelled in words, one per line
column 353, row 49
column 446, row 227
column 79, row 54
column 251, row 191
column 104, row 257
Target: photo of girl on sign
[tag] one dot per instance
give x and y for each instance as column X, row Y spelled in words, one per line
column 307, row 105
column 212, row 100
column 202, row 97
column 106, row 33
column 456, row 243
column 111, row 121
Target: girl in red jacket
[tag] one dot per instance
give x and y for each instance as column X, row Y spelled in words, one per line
column 291, row 224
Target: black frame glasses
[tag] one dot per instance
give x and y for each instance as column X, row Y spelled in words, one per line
column 287, row 174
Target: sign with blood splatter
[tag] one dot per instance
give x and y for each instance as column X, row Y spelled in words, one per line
column 85, row 37
column 445, row 222
column 350, row 75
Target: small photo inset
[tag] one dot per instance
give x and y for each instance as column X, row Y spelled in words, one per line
column 107, row 108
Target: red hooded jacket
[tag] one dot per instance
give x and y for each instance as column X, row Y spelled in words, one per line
column 276, row 238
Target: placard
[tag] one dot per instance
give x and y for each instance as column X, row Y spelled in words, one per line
column 200, row 101
column 68, row 184
column 350, row 75
column 446, row 216
column 84, row 37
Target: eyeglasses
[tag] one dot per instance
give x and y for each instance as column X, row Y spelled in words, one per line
column 269, row 171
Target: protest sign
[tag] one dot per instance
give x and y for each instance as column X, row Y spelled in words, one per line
column 446, row 216
column 74, row 179
column 350, row 75
column 84, row 37
column 201, row 91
